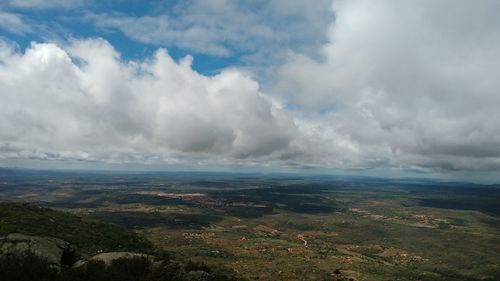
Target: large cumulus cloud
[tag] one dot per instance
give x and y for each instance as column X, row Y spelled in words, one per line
column 410, row 84
column 83, row 102
column 398, row 85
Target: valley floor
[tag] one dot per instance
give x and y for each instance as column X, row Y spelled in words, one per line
column 283, row 228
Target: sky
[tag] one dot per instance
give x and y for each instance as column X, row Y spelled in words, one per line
column 389, row 88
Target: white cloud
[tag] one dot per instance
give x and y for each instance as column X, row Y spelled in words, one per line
column 410, row 83
column 223, row 27
column 44, row 4
column 159, row 30
column 101, row 108
column 398, row 85
column 13, row 23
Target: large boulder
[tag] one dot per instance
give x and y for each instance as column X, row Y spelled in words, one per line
column 55, row 251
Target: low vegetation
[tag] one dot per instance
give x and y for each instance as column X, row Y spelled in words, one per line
column 30, row 268
column 91, row 236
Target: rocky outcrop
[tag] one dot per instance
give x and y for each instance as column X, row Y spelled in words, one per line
column 61, row 255
column 197, row 275
column 55, row 251
column 109, row 257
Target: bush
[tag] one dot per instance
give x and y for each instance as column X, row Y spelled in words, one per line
column 26, row 267
column 32, row 268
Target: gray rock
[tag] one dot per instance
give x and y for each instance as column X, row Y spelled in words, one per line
column 109, row 257
column 80, row 263
column 197, row 275
column 57, row 252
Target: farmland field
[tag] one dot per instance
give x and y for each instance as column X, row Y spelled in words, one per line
column 286, row 227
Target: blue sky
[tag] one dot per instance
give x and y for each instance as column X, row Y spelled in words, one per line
column 51, row 24
column 387, row 87
column 229, row 41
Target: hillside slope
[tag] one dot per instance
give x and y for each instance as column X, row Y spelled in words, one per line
column 90, row 236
